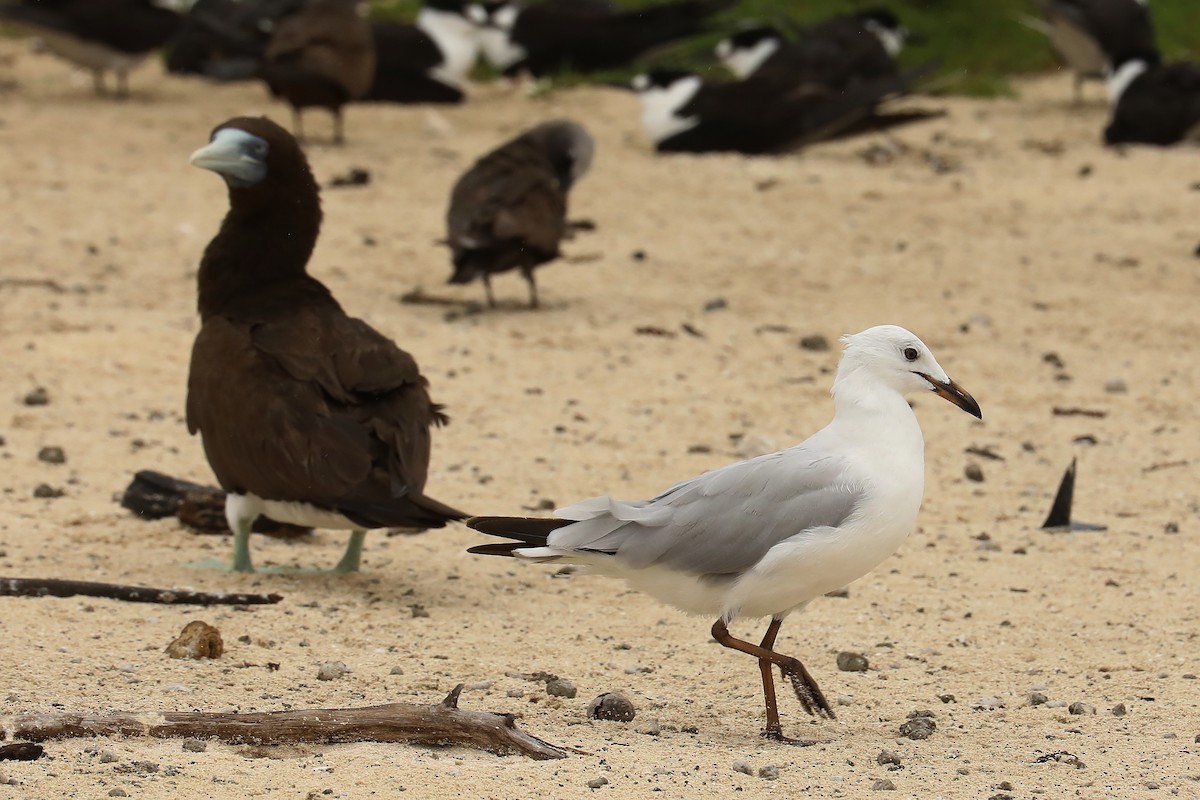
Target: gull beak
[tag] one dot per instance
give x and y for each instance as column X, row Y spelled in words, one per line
column 955, row 394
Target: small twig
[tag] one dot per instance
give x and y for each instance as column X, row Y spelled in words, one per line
column 1165, row 465
column 33, row 283
column 418, row 297
column 441, row 724
column 1079, row 412
column 984, row 452
column 51, row 587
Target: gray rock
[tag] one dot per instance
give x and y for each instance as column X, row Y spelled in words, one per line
column 515, row 693
column 1037, row 699
column 596, row 783
column 108, row 757
column 815, row 343
column 852, row 662
column 52, row 455
column 973, row 472
column 987, row 704
column 918, row 728
column 194, row 745
column 886, row 757
column 743, row 767
column 769, row 773
column 883, row 785
column 559, row 687
column 47, row 492
column 396, row 671
column 118, row 792
column 612, row 706
column 38, row 397
column 649, row 728
column 1081, row 708
column 332, row 670
column 1119, row 710
column 947, row 698
column 1116, row 386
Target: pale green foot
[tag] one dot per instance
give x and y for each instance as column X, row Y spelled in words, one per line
column 241, row 547
column 353, row 555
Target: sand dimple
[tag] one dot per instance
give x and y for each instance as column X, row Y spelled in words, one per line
column 999, row 234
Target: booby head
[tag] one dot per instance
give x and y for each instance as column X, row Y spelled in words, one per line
column 887, row 27
column 893, row 358
column 247, row 151
column 569, row 146
column 745, row 51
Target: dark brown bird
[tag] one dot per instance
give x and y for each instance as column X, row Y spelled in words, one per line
column 98, row 35
column 307, row 415
column 509, row 211
column 323, row 55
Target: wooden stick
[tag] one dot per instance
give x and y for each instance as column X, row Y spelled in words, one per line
column 52, row 587
column 441, row 724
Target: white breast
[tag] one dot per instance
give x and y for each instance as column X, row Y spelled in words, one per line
column 659, row 107
column 457, row 37
column 744, row 62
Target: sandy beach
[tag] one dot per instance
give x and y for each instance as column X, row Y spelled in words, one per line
column 1045, row 272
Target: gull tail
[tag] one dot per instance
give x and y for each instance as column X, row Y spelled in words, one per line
column 527, row 531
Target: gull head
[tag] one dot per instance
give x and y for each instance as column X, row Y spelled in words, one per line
column 888, row 356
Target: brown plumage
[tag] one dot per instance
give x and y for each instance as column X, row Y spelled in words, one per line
column 323, row 55
column 509, row 211
column 297, row 403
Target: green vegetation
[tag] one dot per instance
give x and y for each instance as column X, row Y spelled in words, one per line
column 980, row 43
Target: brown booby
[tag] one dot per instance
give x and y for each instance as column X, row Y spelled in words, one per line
column 509, row 211
column 308, row 416
column 837, row 52
column 585, row 35
column 1091, row 35
column 681, row 112
column 98, row 35
column 322, row 55
column 1153, row 102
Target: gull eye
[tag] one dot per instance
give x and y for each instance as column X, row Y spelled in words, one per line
column 911, row 353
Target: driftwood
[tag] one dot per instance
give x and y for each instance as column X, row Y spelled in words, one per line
column 52, row 587
column 21, row 751
column 153, row 495
column 441, row 724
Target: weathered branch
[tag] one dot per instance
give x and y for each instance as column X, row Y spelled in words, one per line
column 441, row 724
column 52, row 587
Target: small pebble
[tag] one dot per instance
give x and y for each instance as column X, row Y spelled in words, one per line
column 947, row 698
column 38, row 397
column 845, row 699
column 515, row 693
column 769, row 773
column 1081, row 708
column 815, row 343
column 1119, row 710
column 396, row 671
column 559, row 687
column 886, row 757
column 332, row 670
column 596, row 783
column 716, row 304
column 649, row 728
column 47, row 492
column 883, row 785
column 418, row 610
column 1037, row 699
column 918, row 728
column 52, row 455
column 118, row 792
column 611, row 706
column 1116, row 386
column 973, row 472
column 852, row 662
column 108, row 757
column 743, row 767
column 988, row 704
column 194, row 745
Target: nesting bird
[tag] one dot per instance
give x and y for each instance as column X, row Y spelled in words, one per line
column 308, row 416
column 426, row 62
column 1090, row 35
column 509, row 211
column 322, row 55
column 767, row 536
column 681, row 112
column 1153, row 102
column 99, row 35
column 838, row 52
column 585, row 35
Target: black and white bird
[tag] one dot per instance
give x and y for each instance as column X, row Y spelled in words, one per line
column 308, row 416
column 585, row 35
column 1091, row 35
column 224, row 39
column 1153, row 102
column 428, row 61
column 767, row 536
column 681, row 112
column 837, row 52
column 99, row 35
column 509, row 211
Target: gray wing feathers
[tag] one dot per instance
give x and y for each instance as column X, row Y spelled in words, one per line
column 722, row 522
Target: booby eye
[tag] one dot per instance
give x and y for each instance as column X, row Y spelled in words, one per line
column 911, row 353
